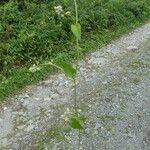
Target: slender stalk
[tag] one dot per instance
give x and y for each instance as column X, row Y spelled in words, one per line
column 79, row 139
column 76, row 10
column 75, row 96
column 75, row 79
column 78, row 55
column 77, row 60
column 77, row 41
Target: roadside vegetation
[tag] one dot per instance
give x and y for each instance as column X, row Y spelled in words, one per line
column 33, row 32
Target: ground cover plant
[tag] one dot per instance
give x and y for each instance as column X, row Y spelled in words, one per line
column 33, row 31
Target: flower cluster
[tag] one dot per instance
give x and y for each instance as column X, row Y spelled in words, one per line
column 68, row 114
column 58, row 9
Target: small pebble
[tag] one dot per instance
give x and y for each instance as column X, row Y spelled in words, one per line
column 133, row 48
column 5, row 108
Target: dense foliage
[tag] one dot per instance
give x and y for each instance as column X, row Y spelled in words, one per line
column 32, row 30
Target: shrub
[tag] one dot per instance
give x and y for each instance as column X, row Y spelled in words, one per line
column 31, row 30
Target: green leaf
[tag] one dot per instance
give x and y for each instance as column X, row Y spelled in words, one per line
column 75, row 124
column 76, row 29
column 68, row 69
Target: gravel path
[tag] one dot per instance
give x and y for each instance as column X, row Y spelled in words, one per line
column 114, row 93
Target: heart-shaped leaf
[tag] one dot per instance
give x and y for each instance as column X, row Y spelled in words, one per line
column 75, row 124
column 67, row 68
column 76, row 29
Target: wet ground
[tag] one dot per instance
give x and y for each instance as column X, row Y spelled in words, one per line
column 113, row 94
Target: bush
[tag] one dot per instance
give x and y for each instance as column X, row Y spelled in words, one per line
column 31, row 30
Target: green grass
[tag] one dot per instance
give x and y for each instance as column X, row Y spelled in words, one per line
column 20, row 78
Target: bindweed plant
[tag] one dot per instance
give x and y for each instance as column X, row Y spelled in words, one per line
column 75, row 121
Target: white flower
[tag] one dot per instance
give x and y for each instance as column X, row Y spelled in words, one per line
column 67, row 110
column 79, row 110
column 66, row 114
column 64, row 117
column 58, row 9
column 34, row 68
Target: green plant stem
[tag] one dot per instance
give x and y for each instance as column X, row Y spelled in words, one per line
column 76, row 10
column 75, row 82
column 77, row 41
column 75, row 96
column 77, row 48
column 78, row 55
column 79, row 139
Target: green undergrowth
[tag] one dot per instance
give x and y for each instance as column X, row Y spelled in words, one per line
column 32, row 32
column 19, row 78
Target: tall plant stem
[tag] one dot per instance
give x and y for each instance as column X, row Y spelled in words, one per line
column 77, row 60
column 75, row 79
column 79, row 139
column 75, row 96
column 76, row 10
column 77, row 41
column 78, row 55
